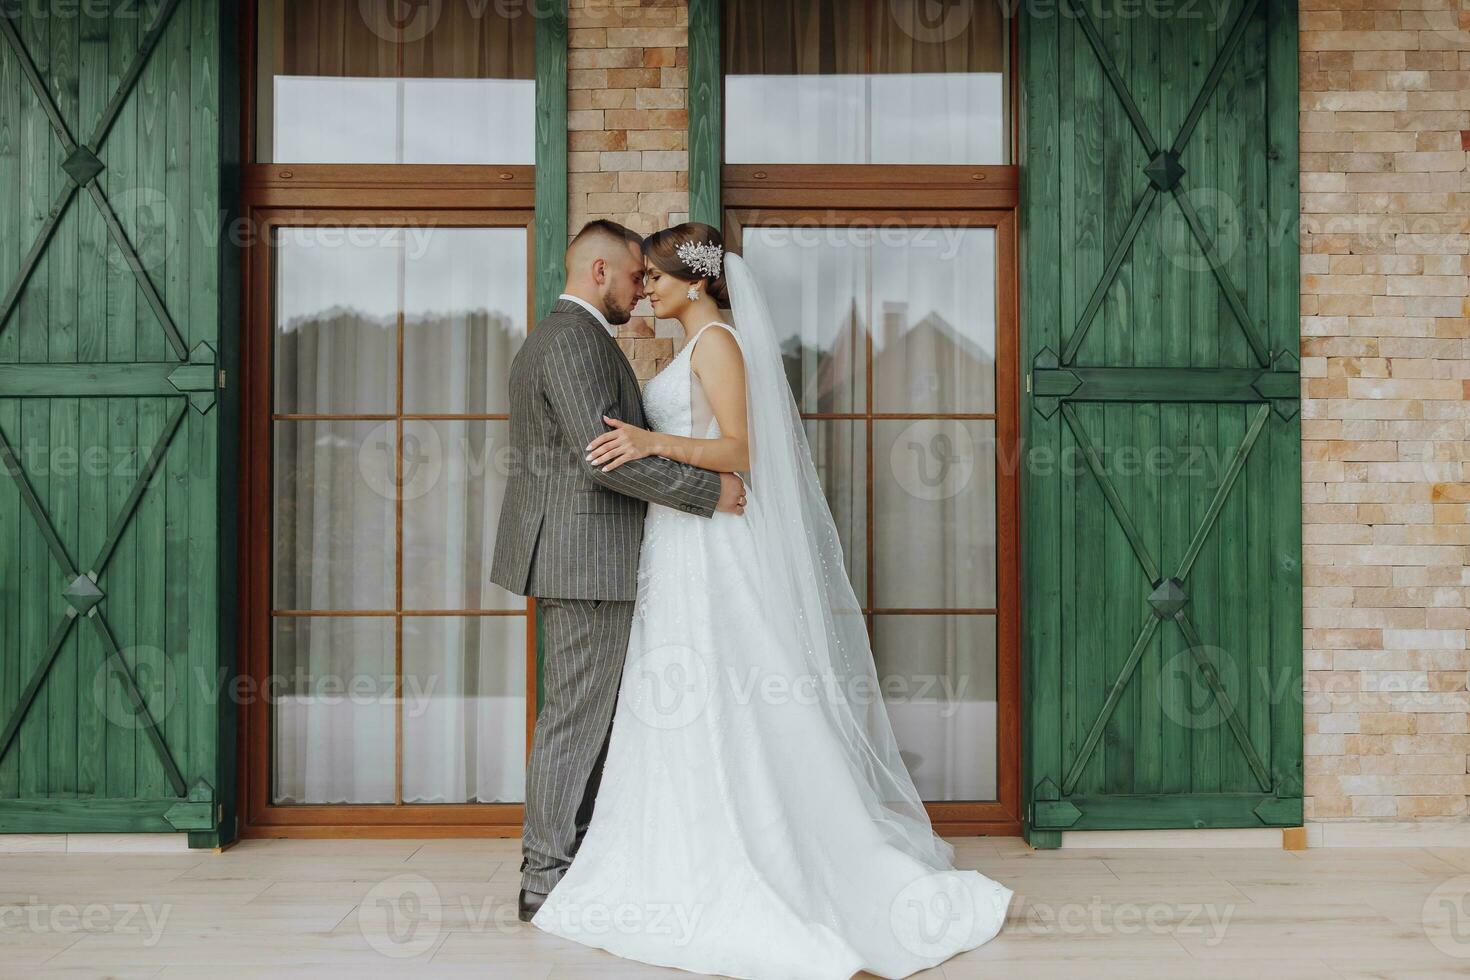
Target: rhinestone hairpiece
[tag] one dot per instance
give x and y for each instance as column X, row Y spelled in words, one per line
column 704, row 258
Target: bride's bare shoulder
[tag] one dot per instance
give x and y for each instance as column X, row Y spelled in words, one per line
column 716, row 347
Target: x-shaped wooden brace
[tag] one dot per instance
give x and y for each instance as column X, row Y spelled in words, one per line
column 1168, row 597
column 83, row 166
column 85, row 598
column 1164, row 173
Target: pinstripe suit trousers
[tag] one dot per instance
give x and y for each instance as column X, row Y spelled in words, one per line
column 585, row 642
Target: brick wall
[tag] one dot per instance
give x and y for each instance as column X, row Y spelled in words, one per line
column 1385, row 359
column 628, row 156
column 1385, row 321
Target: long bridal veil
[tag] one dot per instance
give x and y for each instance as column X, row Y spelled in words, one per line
column 808, row 594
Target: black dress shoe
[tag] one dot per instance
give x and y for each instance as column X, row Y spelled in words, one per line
column 528, row 904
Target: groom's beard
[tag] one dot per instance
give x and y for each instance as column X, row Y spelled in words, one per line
column 617, row 315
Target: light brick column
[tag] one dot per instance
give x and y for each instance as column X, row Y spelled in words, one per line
column 1385, row 321
column 628, row 156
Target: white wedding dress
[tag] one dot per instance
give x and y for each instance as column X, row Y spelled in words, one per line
column 733, row 833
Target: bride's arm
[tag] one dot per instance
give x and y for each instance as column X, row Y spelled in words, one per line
column 717, row 363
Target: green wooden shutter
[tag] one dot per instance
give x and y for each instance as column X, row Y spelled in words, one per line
column 1162, row 617
column 110, row 253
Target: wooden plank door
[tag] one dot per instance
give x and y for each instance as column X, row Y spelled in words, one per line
column 110, row 653
column 1162, row 554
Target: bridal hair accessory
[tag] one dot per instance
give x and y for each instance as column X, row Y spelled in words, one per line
column 704, row 258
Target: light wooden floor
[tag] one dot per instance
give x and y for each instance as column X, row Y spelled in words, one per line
column 272, row 909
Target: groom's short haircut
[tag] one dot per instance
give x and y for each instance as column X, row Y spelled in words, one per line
column 602, row 232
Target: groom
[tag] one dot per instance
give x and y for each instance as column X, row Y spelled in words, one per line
column 570, row 534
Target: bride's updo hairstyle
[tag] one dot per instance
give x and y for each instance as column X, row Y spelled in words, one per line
column 662, row 249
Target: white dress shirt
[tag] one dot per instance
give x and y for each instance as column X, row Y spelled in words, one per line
column 591, row 309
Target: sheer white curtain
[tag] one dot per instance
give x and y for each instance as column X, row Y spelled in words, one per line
column 927, row 297
column 404, row 120
column 865, row 81
column 929, row 118
column 459, row 294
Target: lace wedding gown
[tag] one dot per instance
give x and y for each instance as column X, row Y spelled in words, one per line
column 728, row 836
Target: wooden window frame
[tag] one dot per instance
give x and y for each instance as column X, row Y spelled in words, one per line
column 449, row 195
column 735, row 196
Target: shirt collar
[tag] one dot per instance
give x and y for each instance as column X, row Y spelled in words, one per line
column 591, row 309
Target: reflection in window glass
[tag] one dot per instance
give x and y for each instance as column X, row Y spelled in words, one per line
column 464, row 317
column 795, row 119
column 817, row 287
column 333, row 514
column 410, row 120
column 939, row 683
column 394, row 515
column 442, row 82
column 934, row 513
column 457, row 120
column 332, row 710
column 871, row 81
column 934, row 321
column 336, row 319
column 937, row 119
column 839, row 449
column 464, row 709
column 909, row 314
column 452, row 492
column 940, row 119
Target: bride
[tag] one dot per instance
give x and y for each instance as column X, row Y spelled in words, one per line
column 754, row 818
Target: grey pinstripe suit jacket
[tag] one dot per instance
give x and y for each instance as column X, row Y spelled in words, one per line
column 567, row 529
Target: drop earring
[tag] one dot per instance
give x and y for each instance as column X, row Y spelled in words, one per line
column 693, row 292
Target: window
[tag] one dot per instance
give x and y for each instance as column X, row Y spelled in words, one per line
column 817, row 81
column 342, row 83
column 864, row 175
column 407, row 211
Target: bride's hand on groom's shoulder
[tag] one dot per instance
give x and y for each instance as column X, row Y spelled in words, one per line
column 622, row 443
